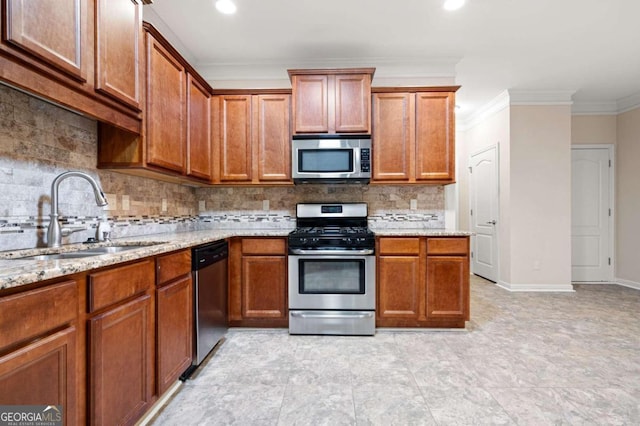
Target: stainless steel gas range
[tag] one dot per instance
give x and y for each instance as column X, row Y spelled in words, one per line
column 332, row 271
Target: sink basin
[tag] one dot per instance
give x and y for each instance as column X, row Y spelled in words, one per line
column 95, row 251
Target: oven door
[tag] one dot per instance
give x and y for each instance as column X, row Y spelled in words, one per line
column 332, row 280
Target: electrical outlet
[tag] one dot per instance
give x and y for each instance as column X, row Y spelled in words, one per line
column 414, row 204
column 125, row 203
column 202, row 205
column 265, row 204
column 536, row 265
column 164, row 204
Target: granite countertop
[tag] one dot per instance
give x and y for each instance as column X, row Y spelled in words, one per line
column 15, row 272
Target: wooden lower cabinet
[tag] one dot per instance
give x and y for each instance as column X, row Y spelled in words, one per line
column 422, row 282
column 258, row 282
column 43, row 373
column 40, row 359
column 174, row 317
column 121, row 363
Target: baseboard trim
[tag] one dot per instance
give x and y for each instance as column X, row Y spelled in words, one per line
column 551, row 288
column 159, row 405
column 627, row 283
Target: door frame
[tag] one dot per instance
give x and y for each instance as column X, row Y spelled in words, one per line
column 495, row 146
column 612, row 204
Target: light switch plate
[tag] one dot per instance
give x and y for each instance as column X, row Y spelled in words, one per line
column 125, row 202
column 112, row 199
column 164, row 204
column 202, row 206
column 414, row 204
column 265, row 204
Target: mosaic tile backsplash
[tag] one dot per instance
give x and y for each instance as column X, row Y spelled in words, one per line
column 38, row 141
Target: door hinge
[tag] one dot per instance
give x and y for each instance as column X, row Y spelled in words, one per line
column 609, row 212
column 471, row 212
column 609, row 261
column 470, row 169
column 609, row 163
column 472, row 255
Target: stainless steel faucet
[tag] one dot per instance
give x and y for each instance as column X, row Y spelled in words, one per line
column 54, row 232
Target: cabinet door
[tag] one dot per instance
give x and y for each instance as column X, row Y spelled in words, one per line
column 235, row 138
column 393, row 135
column 272, row 125
column 165, row 115
column 264, row 286
column 198, row 131
column 121, row 363
column 447, row 287
column 398, row 287
column 175, row 331
column 43, row 373
column 118, row 29
column 55, row 32
column 353, row 103
column 435, row 136
column 310, row 107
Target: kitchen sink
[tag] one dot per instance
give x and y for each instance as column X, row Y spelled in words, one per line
column 88, row 252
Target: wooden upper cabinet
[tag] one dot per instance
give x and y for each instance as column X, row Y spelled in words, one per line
column 55, row 32
column 118, row 30
column 166, row 101
column 332, row 100
column 273, row 138
column 235, row 138
column 393, row 136
column 435, row 136
column 353, row 103
column 252, row 137
column 198, row 131
column 311, row 108
column 413, row 138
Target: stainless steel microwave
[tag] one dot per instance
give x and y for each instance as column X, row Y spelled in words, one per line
column 331, row 159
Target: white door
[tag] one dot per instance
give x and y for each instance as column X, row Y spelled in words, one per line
column 483, row 193
column 591, row 223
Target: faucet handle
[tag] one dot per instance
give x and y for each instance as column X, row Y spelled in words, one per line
column 106, row 236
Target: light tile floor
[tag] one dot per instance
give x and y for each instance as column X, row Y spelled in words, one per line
column 525, row 358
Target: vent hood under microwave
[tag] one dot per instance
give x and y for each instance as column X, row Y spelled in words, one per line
column 331, row 159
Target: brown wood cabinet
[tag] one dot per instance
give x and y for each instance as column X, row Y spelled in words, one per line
column 38, row 351
column 86, row 61
column 118, row 48
column 413, row 135
column 258, row 282
column 175, row 145
column 121, row 349
column 174, row 317
column 331, row 100
column 423, row 281
column 252, row 137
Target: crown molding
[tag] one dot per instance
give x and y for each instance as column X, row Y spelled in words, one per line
column 628, row 103
column 497, row 104
column 540, row 97
column 594, row 108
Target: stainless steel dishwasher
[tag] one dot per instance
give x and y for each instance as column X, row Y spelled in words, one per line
column 210, row 299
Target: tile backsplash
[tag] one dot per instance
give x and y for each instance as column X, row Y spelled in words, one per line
column 38, row 141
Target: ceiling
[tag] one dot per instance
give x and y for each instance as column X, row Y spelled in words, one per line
column 590, row 47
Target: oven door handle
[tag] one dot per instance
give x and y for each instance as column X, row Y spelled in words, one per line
column 363, row 252
column 345, row 314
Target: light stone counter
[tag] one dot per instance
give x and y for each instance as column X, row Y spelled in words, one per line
column 419, row 232
column 16, row 272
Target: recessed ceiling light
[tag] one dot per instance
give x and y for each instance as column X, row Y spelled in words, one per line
column 453, row 4
column 226, row 6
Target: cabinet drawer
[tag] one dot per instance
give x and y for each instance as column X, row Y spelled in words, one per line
column 447, row 246
column 30, row 314
column 263, row 246
column 172, row 266
column 114, row 285
column 399, row 245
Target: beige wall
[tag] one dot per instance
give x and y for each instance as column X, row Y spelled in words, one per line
column 540, row 195
column 628, row 197
column 593, row 129
column 494, row 130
